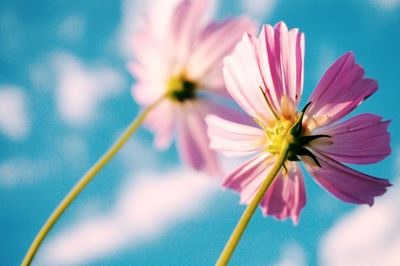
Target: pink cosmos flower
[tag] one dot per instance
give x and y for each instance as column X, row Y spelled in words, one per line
column 181, row 58
column 265, row 76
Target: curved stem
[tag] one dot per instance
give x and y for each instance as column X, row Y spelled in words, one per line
column 248, row 213
column 84, row 181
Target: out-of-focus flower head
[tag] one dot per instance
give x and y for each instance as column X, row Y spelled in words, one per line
column 182, row 56
column 265, row 76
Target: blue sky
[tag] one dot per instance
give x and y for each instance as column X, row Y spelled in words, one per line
column 65, row 96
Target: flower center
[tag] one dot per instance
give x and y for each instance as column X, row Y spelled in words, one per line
column 289, row 130
column 181, row 89
column 278, row 135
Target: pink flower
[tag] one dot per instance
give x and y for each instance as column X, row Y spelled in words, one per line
column 181, row 57
column 265, row 76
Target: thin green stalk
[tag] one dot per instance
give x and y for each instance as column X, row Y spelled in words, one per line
column 84, row 181
column 248, row 213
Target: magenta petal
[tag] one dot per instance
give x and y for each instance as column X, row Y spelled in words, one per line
column 193, row 141
column 281, row 55
column 362, row 139
column 287, row 196
column 216, row 41
column 341, row 89
column 345, row 183
column 247, row 178
column 232, row 139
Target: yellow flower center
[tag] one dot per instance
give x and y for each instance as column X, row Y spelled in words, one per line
column 181, row 89
column 288, row 131
column 278, row 134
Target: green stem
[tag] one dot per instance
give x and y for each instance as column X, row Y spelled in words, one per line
column 248, row 213
column 84, row 181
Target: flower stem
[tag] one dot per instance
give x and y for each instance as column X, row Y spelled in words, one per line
column 248, row 213
column 81, row 184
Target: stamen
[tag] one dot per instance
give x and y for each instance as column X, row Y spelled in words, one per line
column 268, row 103
column 260, row 124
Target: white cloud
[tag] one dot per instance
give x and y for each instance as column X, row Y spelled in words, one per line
column 366, row 236
column 146, row 208
column 386, row 5
column 260, row 9
column 14, row 120
column 80, row 88
column 21, row 171
column 292, row 255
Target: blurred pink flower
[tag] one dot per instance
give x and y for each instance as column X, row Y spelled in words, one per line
column 181, row 57
column 265, row 77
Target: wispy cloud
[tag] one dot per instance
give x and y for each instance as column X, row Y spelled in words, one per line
column 21, row 171
column 292, row 255
column 11, row 33
column 14, row 121
column 386, row 5
column 81, row 88
column 71, row 152
column 146, row 208
column 260, row 9
column 72, row 28
column 136, row 154
column 327, row 55
column 74, row 151
column 366, row 236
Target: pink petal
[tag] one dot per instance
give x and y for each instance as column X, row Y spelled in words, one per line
column 287, row 196
column 341, row 89
column 243, row 79
column 247, row 178
column 345, row 183
column 192, row 139
column 161, row 121
column 186, row 27
column 227, row 112
column 362, row 139
column 151, row 53
column 216, row 41
column 232, row 139
column 281, row 58
column 146, row 93
column 150, row 68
